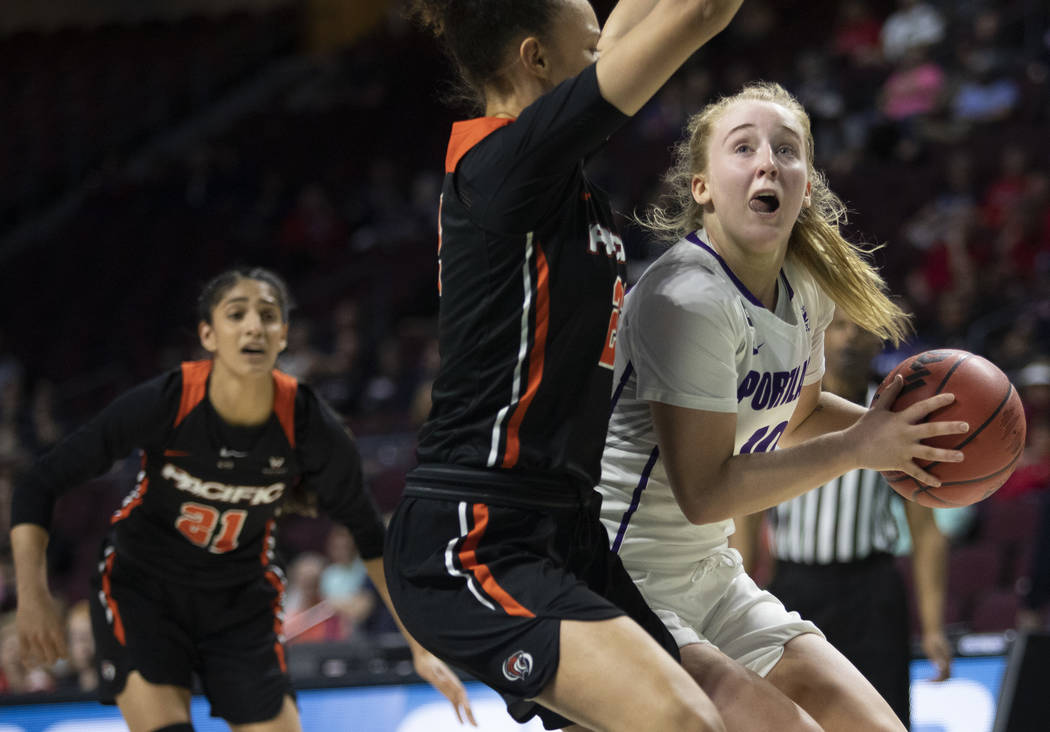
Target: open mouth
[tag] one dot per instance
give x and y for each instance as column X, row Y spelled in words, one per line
column 253, row 350
column 764, row 203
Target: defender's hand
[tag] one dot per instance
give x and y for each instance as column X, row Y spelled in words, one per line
column 434, row 671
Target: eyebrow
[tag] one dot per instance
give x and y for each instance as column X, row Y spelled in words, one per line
column 738, row 127
column 244, row 299
column 751, row 124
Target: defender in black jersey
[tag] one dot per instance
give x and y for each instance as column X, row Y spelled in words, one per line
column 187, row 581
column 498, row 562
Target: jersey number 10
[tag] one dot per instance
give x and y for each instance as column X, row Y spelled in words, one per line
column 764, row 440
column 197, row 523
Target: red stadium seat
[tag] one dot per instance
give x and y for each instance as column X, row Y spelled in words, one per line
column 995, row 611
column 1011, row 524
column 973, row 572
column 1009, row 521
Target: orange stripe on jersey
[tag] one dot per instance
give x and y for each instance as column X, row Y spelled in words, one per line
column 536, row 356
column 194, row 386
column 284, row 387
column 467, row 134
column 133, row 499
column 107, row 591
column 278, row 624
column 469, row 560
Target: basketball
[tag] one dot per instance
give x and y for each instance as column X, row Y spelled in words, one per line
column 987, row 401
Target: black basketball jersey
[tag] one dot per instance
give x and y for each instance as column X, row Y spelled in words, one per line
column 203, row 509
column 531, row 279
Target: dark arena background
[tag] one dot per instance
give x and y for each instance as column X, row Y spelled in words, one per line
column 147, row 145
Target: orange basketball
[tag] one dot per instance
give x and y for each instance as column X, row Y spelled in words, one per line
column 987, row 401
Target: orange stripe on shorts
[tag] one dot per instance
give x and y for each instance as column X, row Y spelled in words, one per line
column 111, row 603
column 468, row 558
column 278, row 626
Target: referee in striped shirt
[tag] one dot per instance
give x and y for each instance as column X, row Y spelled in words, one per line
column 833, row 548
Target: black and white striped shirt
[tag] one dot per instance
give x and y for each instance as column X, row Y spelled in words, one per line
column 844, row 520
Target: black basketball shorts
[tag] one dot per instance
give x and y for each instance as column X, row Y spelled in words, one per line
column 862, row 609
column 485, row 587
column 228, row 637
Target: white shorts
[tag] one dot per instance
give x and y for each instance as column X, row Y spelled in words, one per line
column 718, row 603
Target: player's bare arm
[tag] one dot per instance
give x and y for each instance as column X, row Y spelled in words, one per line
column 636, row 58
column 711, row 484
column 930, row 562
column 819, row 412
column 429, row 667
column 41, row 636
column 625, row 16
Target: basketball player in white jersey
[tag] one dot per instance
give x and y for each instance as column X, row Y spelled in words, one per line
column 719, row 363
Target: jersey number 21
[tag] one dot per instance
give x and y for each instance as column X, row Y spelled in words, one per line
column 197, row 523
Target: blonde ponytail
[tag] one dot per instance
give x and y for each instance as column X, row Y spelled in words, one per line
column 842, row 269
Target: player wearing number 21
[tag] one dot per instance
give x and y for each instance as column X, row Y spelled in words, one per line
column 187, row 581
column 718, row 409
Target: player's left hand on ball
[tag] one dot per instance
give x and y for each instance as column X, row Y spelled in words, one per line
column 887, row 440
column 434, row 671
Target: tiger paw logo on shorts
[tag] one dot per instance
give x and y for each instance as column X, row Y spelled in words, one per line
column 517, row 666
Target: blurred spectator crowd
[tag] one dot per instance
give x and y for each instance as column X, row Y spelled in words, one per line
column 930, row 121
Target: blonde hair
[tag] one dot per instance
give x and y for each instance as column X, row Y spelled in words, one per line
column 842, row 269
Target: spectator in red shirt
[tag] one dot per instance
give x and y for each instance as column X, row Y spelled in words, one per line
column 857, row 34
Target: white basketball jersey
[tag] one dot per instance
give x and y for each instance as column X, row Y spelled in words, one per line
column 692, row 335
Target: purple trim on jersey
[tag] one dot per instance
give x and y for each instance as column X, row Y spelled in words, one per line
column 636, row 498
column 619, row 387
column 739, row 285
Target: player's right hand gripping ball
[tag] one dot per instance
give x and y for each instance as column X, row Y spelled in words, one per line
column 984, row 398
